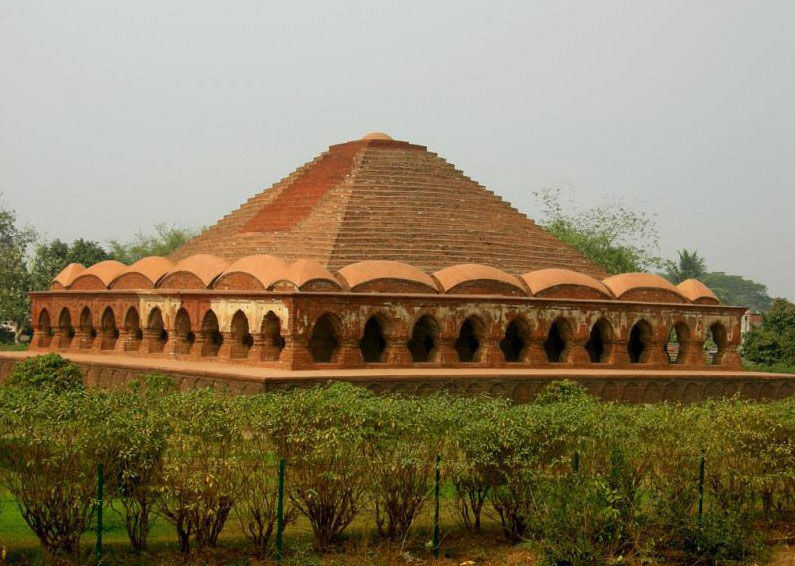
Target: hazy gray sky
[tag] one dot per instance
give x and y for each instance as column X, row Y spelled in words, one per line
column 117, row 115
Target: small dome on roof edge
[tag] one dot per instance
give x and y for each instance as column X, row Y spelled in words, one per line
column 376, row 136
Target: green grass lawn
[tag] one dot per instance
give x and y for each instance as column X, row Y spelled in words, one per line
column 11, row 347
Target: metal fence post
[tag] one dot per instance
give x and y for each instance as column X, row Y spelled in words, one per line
column 100, row 489
column 280, row 516
column 436, row 511
column 701, row 469
column 575, row 463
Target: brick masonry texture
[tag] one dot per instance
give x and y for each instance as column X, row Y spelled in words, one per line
column 379, row 262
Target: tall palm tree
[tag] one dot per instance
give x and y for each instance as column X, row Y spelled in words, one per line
column 689, row 266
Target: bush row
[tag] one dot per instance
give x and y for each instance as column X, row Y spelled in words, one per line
column 202, row 457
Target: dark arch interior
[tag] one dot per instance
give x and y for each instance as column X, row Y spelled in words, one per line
column 65, row 329
column 715, row 344
column 372, row 344
column 555, row 344
column 158, row 329
column 132, row 327
column 87, row 330
column 515, row 340
column 324, row 342
column 424, row 337
column 212, row 335
column 241, row 337
column 273, row 342
column 185, row 337
column 467, row 344
column 110, row 334
column 638, row 343
column 597, row 346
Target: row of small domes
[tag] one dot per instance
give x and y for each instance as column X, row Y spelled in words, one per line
column 267, row 273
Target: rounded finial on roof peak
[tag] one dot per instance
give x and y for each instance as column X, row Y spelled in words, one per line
column 377, row 136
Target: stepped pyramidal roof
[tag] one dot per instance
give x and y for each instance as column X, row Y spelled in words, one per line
column 378, row 198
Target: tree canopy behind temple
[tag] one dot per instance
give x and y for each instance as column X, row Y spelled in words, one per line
column 14, row 277
column 49, row 258
column 165, row 240
column 689, row 265
column 737, row 290
column 618, row 239
column 772, row 345
column 730, row 289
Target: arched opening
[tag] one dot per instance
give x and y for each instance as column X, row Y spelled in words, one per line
column 372, row 343
column 110, row 334
column 514, row 344
column 638, row 345
column 324, row 342
column 468, row 343
column 241, row 337
column 156, row 329
column 715, row 344
column 65, row 330
column 211, row 334
column 598, row 345
column 44, row 330
column 87, row 331
column 424, row 340
column 272, row 340
column 183, row 333
column 132, row 330
column 678, row 342
column 557, row 342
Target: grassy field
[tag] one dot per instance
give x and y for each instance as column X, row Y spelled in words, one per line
column 11, row 347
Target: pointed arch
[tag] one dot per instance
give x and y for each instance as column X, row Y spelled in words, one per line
column 424, row 341
column 242, row 340
column 373, row 343
column 272, row 339
column 184, row 338
column 470, row 338
column 44, row 329
column 132, row 330
column 325, row 340
column 677, row 343
column 110, row 334
column 66, row 331
column 556, row 345
column 639, row 344
column 599, row 345
column 514, row 345
column 211, row 335
column 715, row 344
column 156, row 331
column 87, row 331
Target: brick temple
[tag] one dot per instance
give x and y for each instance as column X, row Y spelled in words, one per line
column 379, row 262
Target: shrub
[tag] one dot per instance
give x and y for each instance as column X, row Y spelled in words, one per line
column 49, row 372
column 323, row 433
column 135, row 435
column 402, row 465
column 46, row 441
column 256, row 469
column 198, row 486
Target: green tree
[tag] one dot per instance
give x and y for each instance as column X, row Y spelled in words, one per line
column 14, row 277
column 736, row 290
column 773, row 343
column 164, row 241
column 689, row 265
column 49, row 258
column 613, row 236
